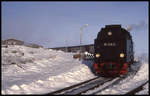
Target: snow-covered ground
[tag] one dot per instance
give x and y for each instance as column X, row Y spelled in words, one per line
column 36, row 71
column 28, row 70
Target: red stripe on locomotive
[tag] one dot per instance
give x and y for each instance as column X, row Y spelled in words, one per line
column 119, row 71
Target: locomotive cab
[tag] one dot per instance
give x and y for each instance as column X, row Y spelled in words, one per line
column 113, row 50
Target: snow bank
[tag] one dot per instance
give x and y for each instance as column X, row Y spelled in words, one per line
column 28, row 70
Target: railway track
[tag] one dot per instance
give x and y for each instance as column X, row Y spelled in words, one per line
column 99, row 83
column 67, row 88
column 137, row 89
column 92, row 86
column 83, row 87
column 103, row 87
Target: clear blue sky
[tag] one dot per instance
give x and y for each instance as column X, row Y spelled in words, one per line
column 55, row 24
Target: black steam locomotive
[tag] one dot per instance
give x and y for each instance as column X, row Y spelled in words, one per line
column 113, row 51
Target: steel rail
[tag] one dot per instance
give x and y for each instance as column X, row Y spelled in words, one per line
column 89, row 86
column 67, row 88
column 101, row 88
column 137, row 89
column 84, row 86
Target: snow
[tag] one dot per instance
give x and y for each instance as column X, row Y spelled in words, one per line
column 28, row 70
column 146, row 90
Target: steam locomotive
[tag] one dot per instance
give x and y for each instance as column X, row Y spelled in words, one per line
column 113, row 51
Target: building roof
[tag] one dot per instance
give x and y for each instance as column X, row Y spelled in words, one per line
column 73, row 46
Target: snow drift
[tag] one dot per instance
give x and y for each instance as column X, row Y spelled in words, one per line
column 37, row 70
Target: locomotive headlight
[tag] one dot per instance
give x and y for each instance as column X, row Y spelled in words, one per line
column 122, row 55
column 97, row 55
column 109, row 33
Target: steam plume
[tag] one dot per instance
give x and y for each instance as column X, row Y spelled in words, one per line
column 137, row 26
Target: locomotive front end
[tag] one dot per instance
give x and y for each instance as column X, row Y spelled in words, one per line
column 110, row 52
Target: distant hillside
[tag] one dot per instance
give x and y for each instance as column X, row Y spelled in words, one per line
column 19, row 42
